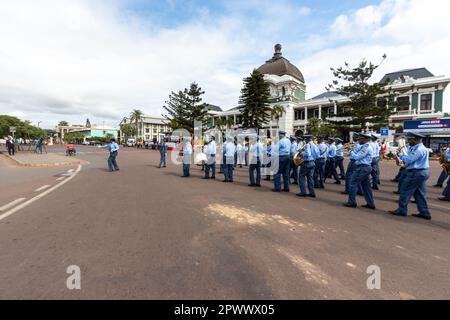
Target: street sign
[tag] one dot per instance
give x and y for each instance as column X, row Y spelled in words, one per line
column 384, row 132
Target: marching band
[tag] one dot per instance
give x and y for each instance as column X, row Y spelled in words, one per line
column 311, row 160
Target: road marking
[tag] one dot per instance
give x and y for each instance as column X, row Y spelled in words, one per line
column 70, row 171
column 41, row 195
column 11, row 204
column 60, row 178
column 438, row 206
column 42, row 188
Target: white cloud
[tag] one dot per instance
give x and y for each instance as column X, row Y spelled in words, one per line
column 64, row 59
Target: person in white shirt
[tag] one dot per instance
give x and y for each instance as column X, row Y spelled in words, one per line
column 210, row 151
column 229, row 159
column 240, row 154
column 256, row 153
column 187, row 154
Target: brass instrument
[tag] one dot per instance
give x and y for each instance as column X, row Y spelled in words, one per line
column 443, row 161
column 403, row 151
column 298, row 158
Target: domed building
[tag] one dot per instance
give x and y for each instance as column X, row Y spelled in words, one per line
column 287, row 89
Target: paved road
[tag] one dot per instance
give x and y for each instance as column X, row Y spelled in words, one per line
column 144, row 232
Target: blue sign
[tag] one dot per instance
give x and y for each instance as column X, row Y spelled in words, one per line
column 431, row 126
column 384, row 132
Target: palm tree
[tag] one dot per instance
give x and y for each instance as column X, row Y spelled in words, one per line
column 229, row 122
column 219, row 123
column 276, row 113
column 313, row 126
column 136, row 116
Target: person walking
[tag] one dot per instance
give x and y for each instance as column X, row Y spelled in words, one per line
column 361, row 173
column 415, row 178
column 306, row 170
column 229, row 159
column 187, row 155
column 339, row 159
column 319, row 171
column 10, row 146
column 444, row 174
column 283, row 150
column 113, row 149
column 256, row 151
column 210, row 151
column 162, row 153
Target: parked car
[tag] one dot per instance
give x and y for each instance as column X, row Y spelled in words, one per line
column 85, row 143
column 95, row 143
column 131, row 142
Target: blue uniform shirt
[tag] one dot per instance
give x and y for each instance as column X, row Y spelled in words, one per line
column 355, row 150
column 363, row 155
column 340, row 150
column 163, row 148
column 112, row 147
column 331, row 151
column 375, row 149
column 284, row 147
column 417, row 157
column 323, row 150
column 294, row 148
column 447, row 153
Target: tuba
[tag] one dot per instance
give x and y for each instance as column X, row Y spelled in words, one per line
column 443, row 161
column 298, row 158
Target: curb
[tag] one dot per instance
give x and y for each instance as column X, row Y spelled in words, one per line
column 54, row 164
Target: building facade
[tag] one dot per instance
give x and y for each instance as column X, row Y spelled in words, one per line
column 149, row 128
column 419, row 95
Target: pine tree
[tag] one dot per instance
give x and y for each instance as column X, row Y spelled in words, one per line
column 254, row 101
column 367, row 103
column 185, row 107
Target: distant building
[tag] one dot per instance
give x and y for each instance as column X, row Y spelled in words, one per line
column 88, row 130
column 150, row 128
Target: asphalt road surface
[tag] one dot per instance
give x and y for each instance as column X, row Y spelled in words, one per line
column 146, row 233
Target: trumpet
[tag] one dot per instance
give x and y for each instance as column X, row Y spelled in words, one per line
column 402, row 151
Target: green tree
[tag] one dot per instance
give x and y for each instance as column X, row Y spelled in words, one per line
column 313, row 126
column 24, row 129
column 254, row 101
column 366, row 103
column 136, row 117
column 128, row 130
column 276, row 113
column 185, row 107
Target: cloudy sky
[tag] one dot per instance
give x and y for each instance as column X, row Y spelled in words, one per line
column 72, row 59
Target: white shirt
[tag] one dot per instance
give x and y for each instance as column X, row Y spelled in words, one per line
column 230, row 149
column 211, row 148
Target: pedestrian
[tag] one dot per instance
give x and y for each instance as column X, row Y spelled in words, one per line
column 414, row 181
column 256, row 152
column 162, row 153
column 10, row 146
column 444, row 174
column 352, row 165
column 293, row 168
column 319, row 171
column 331, row 162
column 375, row 162
column 210, row 151
column 187, row 155
column 113, row 149
column 282, row 149
column 306, row 170
column 240, row 151
column 340, row 158
column 229, row 159
column 361, row 174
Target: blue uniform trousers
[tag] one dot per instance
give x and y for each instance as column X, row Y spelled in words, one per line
column 251, row 173
column 414, row 184
column 319, row 172
column 401, row 177
column 112, row 162
column 210, row 166
column 446, row 192
column 340, row 164
column 228, row 168
column 350, row 169
column 293, row 171
column 162, row 161
column 331, row 169
column 442, row 178
column 186, row 169
column 360, row 176
column 283, row 170
column 306, row 170
column 375, row 171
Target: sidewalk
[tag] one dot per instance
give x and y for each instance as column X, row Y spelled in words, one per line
column 28, row 159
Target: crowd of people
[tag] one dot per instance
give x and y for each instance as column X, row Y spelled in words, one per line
column 18, row 144
column 309, row 161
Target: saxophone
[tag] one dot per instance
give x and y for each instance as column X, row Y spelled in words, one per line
column 298, row 158
column 443, row 161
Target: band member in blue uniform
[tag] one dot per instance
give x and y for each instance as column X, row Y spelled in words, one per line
column 283, row 150
column 414, row 183
column 306, row 170
column 361, row 174
column 319, row 171
column 331, row 162
column 340, row 158
column 444, row 174
column 256, row 157
column 293, row 168
column 210, row 151
column 375, row 162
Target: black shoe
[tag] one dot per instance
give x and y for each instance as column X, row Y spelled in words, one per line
column 224, row 180
column 295, row 182
column 444, row 199
column 344, row 192
column 368, row 207
column 257, row 185
column 438, row 186
column 275, row 190
column 396, row 192
column 251, row 185
column 395, row 213
column 375, row 188
column 360, row 194
column 285, row 190
column 337, row 182
column 349, row 205
column 206, row 178
column 301, row 194
column 311, row 195
column 394, row 180
column 213, row 178
column 421, row 216
column 322, row 187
